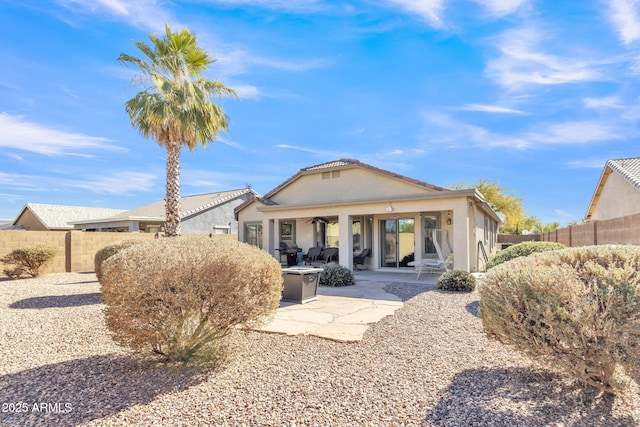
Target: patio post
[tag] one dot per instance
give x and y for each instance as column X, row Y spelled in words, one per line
column 345, row 245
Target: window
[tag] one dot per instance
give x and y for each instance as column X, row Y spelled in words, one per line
column 221, row 229
column 430, row 222
column 253, row 234
column 288, row 232
column 356, row 231
column 333, row 235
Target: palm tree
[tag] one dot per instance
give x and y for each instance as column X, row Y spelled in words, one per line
column 176, row 108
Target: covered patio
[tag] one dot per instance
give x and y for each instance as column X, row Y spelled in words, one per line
column 352, row 206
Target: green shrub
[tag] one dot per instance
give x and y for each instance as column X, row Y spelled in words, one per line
column 457, row 281
column 576, row 309
column 522, row 249
column 109, row 251
column 182, row 295
column 336, row 275
column 29, row 260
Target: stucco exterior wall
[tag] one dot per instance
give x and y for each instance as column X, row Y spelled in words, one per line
column 459, row 234
column 205, row 221
column 250, row 214
column 29, row 221
column 351, row 184
column 618, row 198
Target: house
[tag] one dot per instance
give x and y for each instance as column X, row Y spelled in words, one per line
column 43, row 217
column 617, row 193
column 202, row 213
column 353, row 206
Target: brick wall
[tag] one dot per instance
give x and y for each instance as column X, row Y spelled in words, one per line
column 76, row 249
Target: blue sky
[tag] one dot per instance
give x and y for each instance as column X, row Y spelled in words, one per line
column 536, row 95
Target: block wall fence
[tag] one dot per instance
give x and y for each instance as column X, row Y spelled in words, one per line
column 76, row 249
column 617, row 231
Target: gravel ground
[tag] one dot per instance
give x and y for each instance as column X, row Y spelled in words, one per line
column 429, row 364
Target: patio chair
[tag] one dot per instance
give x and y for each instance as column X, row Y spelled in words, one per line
column 312, row 255
column 437, row 264
column 359, row 258
column 328, row 255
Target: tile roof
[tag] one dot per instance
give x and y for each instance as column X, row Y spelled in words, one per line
column 333, row 164
column 58, row 217
column 189, row 205
column 629, row 169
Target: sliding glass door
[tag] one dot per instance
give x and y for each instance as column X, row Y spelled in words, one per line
column 397, row 243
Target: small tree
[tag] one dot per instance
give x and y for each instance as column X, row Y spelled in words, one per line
column 28, row 260
column 509, row 205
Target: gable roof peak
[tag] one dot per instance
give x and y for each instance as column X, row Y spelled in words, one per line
column 331, row 164
column 628, row 168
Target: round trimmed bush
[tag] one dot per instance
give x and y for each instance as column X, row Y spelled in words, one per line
column 336, row 275
column 109, row 251
column 577, row 310
column 182, row 295
column 457, row 281
column 522, row 249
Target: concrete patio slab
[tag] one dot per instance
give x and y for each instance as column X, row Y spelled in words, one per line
column 343, row 313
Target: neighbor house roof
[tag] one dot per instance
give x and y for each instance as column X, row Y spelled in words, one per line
column 628, row 169
column 59, row 217
column 189, row 205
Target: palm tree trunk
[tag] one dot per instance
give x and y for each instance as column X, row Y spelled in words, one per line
column 172, row 199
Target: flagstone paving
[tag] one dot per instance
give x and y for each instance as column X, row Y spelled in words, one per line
column 341, row 313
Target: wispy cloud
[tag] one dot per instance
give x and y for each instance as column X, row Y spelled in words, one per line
column 124, row 182
column 22, row 182
column 291, row 64
column 625, row 16
column 332, row 154
column 234, row 60
column 300, row 6
column 605, row 102
column 208, row 179
column 522, row 62
column 587, row 163
column 564, row 214
column 499, row 8
column 485, row 108
column 428, row 10
column 234, row 144
column 19, row 134
column 247, row 91
column 454, row 133
column 577, row 132
column 450, row 133
column 145, row 14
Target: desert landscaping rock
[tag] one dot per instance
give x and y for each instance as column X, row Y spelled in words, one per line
column 429, row 364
